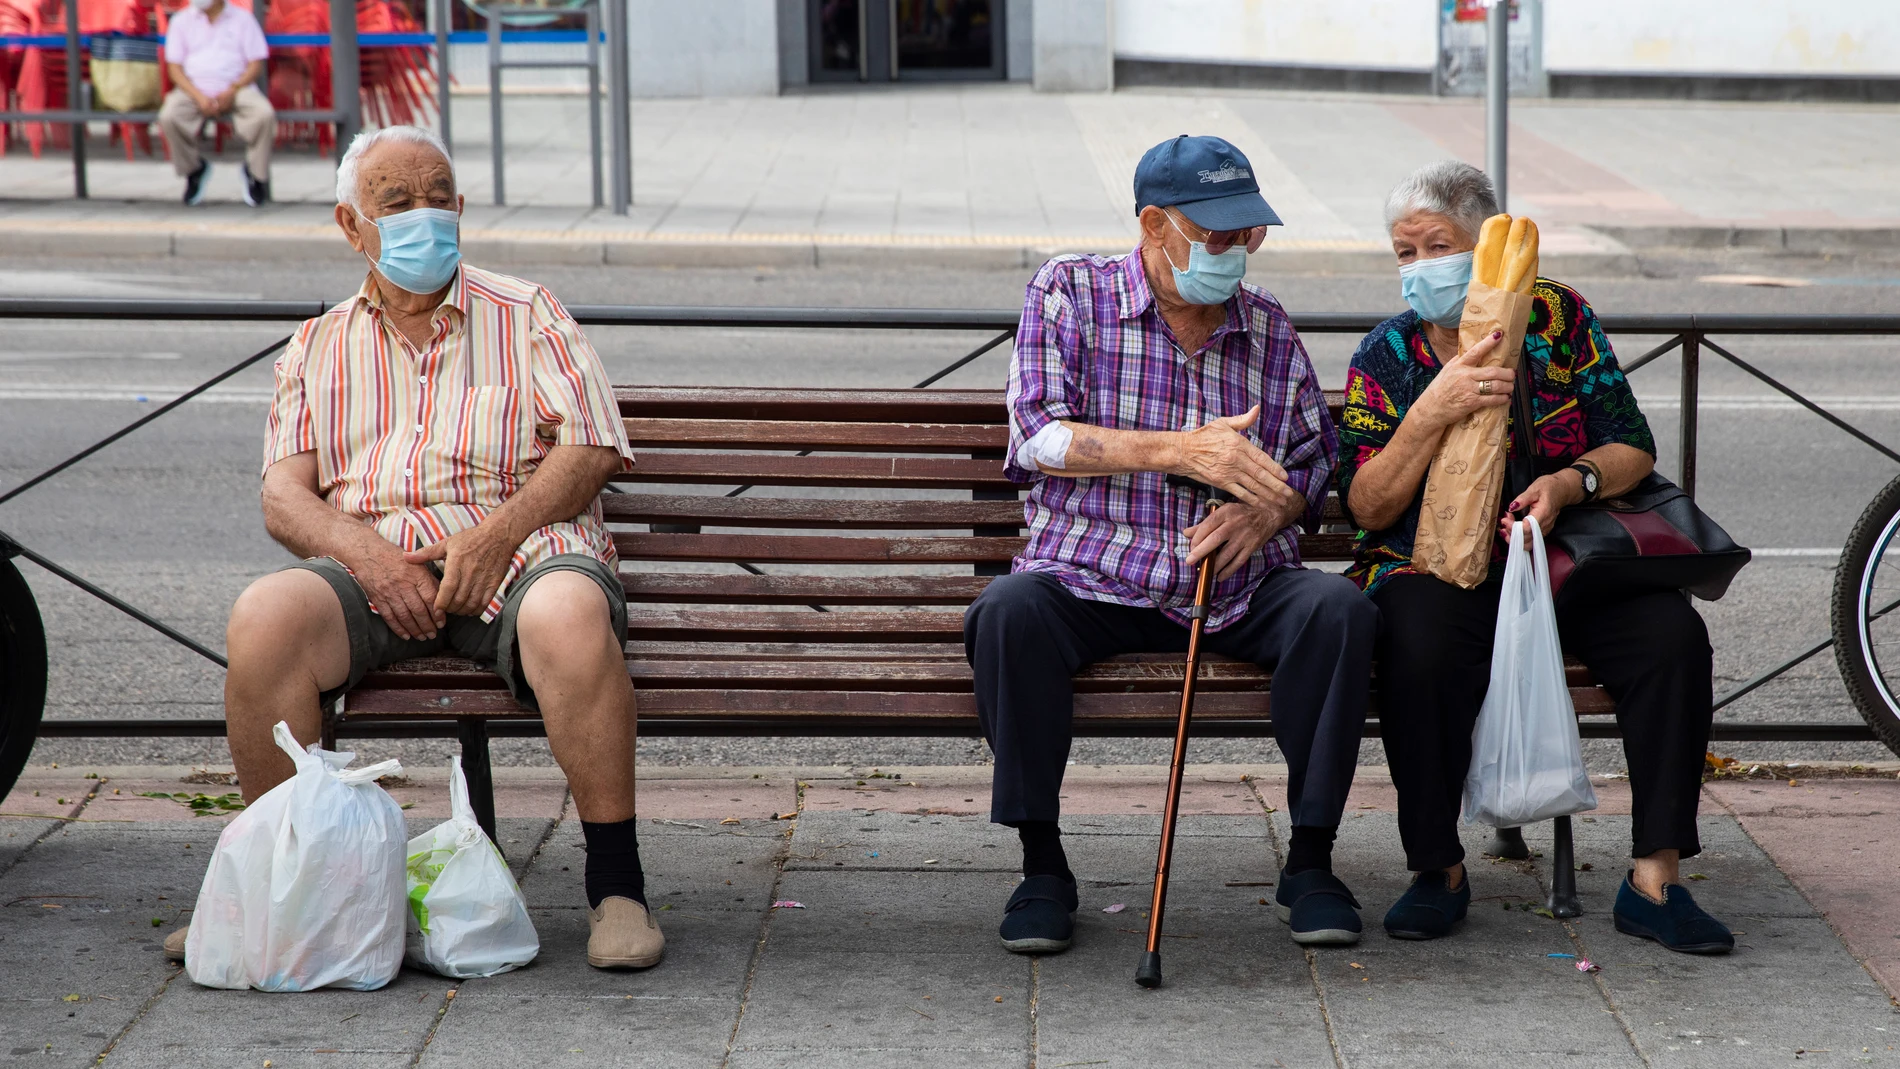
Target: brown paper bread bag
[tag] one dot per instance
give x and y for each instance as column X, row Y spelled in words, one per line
column 1459, row 513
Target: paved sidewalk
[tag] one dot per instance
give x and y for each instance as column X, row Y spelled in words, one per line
column 999, row 175
column 890, row 958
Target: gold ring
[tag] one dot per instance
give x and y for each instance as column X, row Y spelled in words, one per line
column 1484, row 386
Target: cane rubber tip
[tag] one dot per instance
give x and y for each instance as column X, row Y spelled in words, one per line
column 1148, row 973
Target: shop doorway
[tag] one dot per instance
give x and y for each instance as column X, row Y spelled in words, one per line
column 906, row 40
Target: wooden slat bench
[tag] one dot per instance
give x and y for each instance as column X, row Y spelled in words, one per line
column 881, row 514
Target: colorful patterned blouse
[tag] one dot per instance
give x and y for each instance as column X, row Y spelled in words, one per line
column 1580, row 401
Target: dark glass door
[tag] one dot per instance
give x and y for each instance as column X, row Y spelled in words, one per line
column 907, row 40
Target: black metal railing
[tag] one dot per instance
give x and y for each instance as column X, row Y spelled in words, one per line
column 1689, row 333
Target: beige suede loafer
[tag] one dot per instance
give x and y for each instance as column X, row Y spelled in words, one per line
column 175, row 944
column 623, row 935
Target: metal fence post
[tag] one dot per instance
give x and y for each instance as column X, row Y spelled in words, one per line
column 444, row 14
column 494, row 100
column 1497, row 96
column 346, row 74
column 620, row 110
column 75, row 97
column 593, row 96
column 1691, row 388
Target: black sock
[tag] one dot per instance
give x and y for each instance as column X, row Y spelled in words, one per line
column 1042, row 850
column 613, row 862
column 1312, row 848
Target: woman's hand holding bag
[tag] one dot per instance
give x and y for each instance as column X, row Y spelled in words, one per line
column 1526, row 756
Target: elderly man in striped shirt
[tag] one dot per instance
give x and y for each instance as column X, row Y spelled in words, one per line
column 434, row 453
column 1126, row 371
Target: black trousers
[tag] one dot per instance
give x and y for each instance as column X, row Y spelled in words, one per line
column 1026, row 635
column 1650, row 652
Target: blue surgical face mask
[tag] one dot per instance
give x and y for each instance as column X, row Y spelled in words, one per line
column 1209, row 278
column 1435, row 288
column 419, row 248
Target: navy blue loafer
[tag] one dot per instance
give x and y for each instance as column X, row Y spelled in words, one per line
column 1429, row 908
column 1676, row 922
column 1318, row 907
column 1039, row 918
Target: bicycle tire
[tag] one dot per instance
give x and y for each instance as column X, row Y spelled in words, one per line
column 22, row 674
column 1876, row 530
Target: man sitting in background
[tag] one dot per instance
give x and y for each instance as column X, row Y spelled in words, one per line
column 434, row 454
column 215, row 53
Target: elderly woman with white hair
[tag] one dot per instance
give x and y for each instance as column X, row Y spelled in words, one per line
column 1408, row 383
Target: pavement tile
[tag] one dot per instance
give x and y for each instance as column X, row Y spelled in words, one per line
column 491, row 1029
column 872, row 1058
column 919, row 912
column 1236, row 991
column 707, row 955
column 375, row 1027
column 902, row 1003
column 847, row 840
column 718, row 799
column 1789, row 986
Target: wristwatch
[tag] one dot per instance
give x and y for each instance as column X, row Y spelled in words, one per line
column 1590, row 482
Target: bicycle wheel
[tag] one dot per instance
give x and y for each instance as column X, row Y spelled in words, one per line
column 22, row 673
column 1866, row 615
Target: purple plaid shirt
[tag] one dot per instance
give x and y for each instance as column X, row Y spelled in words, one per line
column 1092, row 348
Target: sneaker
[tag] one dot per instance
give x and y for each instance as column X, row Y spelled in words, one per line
column 1429, row 908
column 256, row 192
column 196, row 181
column 175, row 944
column 1040, row 916
column 1318, row 907
column 1676, row 922
column 621, row 934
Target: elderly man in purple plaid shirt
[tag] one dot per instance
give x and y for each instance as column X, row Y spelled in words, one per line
column 1127, row 371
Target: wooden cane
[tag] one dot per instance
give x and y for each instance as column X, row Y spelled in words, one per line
column 1148, row 974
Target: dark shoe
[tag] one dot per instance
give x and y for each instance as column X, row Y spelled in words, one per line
column 256, row 192
column 1039, row 918
column 196, row 181
column 1429, row 908
column 1318, row 907
column 1676, row 922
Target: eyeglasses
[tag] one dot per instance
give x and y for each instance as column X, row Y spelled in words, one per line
column 1219, row 241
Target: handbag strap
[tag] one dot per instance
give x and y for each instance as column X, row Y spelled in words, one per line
column 1524, row 424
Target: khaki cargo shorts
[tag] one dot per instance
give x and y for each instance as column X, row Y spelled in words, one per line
column 492, row 645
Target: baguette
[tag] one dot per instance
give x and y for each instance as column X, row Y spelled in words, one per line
column 1520, row 259
column 1487, row 260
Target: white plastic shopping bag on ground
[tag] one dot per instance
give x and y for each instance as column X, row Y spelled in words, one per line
column 305, row 889
column 1526, row 760
column 467, row 916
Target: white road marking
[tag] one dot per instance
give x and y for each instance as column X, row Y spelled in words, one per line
column 158, row 395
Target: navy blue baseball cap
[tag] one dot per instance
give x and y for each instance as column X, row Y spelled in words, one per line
column 1207, row 178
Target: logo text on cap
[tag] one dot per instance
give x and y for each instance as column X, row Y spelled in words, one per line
column 1228, row 172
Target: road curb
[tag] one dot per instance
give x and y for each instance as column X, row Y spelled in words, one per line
column 505, row 249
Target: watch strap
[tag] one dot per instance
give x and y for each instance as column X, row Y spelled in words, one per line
column 1590, row 475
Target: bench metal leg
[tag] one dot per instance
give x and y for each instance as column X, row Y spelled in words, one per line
column 1563, row 872
column 1508, row 843
column 480, row 776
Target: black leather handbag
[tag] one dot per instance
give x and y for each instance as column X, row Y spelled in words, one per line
column 1650, row 538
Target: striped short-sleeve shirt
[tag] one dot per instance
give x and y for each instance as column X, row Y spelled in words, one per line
column 423, row 444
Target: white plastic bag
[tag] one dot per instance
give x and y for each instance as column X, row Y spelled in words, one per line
column 305, row 889
column 467, row 916
column 1526, row 760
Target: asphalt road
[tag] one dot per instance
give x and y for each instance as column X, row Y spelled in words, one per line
column 169, row 518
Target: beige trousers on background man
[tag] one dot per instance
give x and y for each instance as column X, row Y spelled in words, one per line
column 251, row 114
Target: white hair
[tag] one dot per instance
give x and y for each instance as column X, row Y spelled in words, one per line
column 1451, row 188
column 346, row 190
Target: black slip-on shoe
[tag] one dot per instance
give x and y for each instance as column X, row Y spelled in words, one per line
column 1318, row 907
column 1429, row 908
column 1040, row 916
column 196, row 181
column 1676, row 922
column 256, row 191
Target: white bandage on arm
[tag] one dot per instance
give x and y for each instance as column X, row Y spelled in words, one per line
column 1048, row 447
